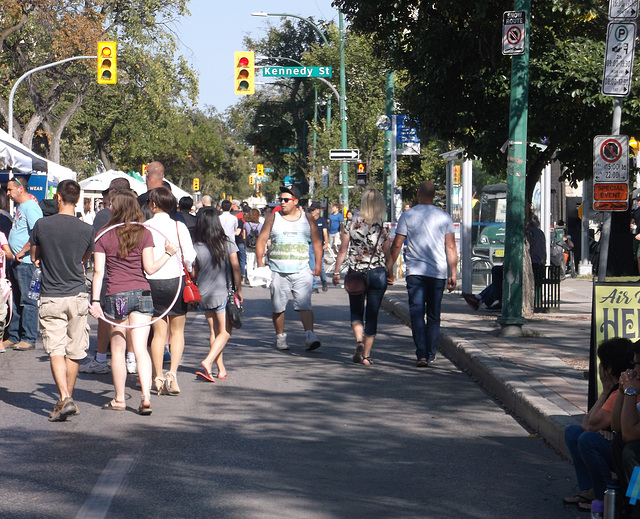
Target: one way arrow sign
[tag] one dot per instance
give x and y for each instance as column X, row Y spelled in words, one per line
column 623, row 10
column 346, row 155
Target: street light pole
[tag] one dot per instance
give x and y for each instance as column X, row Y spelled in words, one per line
column 343, row 115
column 344, row 174
column 26, row 74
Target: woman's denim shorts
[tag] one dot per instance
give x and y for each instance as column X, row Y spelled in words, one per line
column 119, row 306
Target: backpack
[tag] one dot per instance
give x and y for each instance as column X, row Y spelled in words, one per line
column 252, row 237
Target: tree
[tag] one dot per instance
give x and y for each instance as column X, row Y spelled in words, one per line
column 41, row 32
column 457, row 83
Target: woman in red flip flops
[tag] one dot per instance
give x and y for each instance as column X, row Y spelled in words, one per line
column 215, row 254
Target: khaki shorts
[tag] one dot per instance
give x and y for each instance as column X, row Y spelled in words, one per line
column 64, row 325
column 299, row 285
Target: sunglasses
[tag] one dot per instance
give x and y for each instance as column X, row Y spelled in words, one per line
column 285, row 200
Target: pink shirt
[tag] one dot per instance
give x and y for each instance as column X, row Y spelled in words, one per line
column 124, row 274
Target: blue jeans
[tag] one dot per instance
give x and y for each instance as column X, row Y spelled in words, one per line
column 312, row 265
column 242, row 259
column 24, row 318
column 592, row 458
column 425, row 296
column 376, row 287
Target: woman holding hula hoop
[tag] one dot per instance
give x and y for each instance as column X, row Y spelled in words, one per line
column 214, row 250
column 125, row 250
column 164, row 284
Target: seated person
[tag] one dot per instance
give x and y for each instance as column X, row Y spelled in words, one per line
column 625, row 420
column 491, row 296
column 590, row 443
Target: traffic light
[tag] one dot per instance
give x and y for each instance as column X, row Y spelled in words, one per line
column 107, row 63
column 245, row 73
column 361, row 174
column 196, row 184
column 144, row 169
column 251, row 181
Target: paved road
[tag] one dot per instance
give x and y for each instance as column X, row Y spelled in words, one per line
column 289, row 434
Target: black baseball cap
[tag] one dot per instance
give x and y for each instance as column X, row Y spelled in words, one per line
column 293, row 191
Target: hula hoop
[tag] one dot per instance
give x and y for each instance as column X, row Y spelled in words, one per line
column 175, row 298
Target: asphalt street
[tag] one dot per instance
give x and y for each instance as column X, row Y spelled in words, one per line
column 291, row 434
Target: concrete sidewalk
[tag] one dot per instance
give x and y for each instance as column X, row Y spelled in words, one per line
column 540, row 377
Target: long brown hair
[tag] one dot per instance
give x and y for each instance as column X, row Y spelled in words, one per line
column 125, row 209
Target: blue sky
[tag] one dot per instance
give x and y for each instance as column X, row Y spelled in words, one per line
column 215, row 30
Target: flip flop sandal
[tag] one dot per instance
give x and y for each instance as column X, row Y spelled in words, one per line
column 207, row 376
column 582, row 497
column 145, row 410
column 359, row 354
column 585, row 506
column 111, row 407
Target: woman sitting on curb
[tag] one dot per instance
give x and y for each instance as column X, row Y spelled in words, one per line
column 590, row 443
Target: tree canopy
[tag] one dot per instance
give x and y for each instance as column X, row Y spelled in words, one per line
column 457, row 82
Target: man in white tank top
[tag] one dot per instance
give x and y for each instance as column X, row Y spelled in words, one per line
column 290, row 230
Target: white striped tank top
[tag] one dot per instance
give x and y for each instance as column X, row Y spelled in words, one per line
column 289, row 251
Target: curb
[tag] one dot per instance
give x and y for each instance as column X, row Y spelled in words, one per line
column 504, row 381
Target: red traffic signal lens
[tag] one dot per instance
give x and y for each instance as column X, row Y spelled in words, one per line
column 244, row 62
column 106, row 51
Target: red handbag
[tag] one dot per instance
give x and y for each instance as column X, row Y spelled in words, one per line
column 190, row 293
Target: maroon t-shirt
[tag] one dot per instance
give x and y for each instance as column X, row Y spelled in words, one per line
column 124, row 274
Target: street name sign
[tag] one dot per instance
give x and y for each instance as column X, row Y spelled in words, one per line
column 288, row 150
column 618, row 59
column 611, row 172
column 623, row 10
column 513, row 32
column 277, row 71
column 346, row 155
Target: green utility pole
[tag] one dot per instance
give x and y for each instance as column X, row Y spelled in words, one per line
column 511, row 320
column 388, row 135
column 344, row 172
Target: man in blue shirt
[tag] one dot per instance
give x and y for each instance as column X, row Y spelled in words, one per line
column 432, row 260
column 23, row 328
column 336, row 223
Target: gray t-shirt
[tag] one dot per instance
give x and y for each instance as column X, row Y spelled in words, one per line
column 212, row 281
column 425, row 227
column 63, row 240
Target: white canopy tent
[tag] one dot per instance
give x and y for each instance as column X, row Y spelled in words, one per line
column 95, row 185
column 16, row 157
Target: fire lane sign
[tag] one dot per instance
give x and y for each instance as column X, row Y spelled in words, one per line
column 618, row 60
column 513, row 33
column 611, row 172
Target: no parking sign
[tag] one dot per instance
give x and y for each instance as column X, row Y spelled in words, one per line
column 611, row 172
column 513, row 32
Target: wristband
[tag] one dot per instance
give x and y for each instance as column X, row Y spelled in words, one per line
column 95, row 301
column 167, row 253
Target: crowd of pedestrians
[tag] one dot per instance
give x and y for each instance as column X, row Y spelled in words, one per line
column 143, row 246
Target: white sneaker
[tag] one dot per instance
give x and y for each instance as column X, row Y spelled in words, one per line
column 93, row 366
column 132, row 367
column 311, row 342
column 281, row 342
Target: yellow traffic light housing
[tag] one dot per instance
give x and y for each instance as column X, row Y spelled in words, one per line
column 251, row 180
column 107, row 63
column 196, row 184
column 245, row 73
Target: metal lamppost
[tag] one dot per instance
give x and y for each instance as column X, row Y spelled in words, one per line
column 343, row 103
